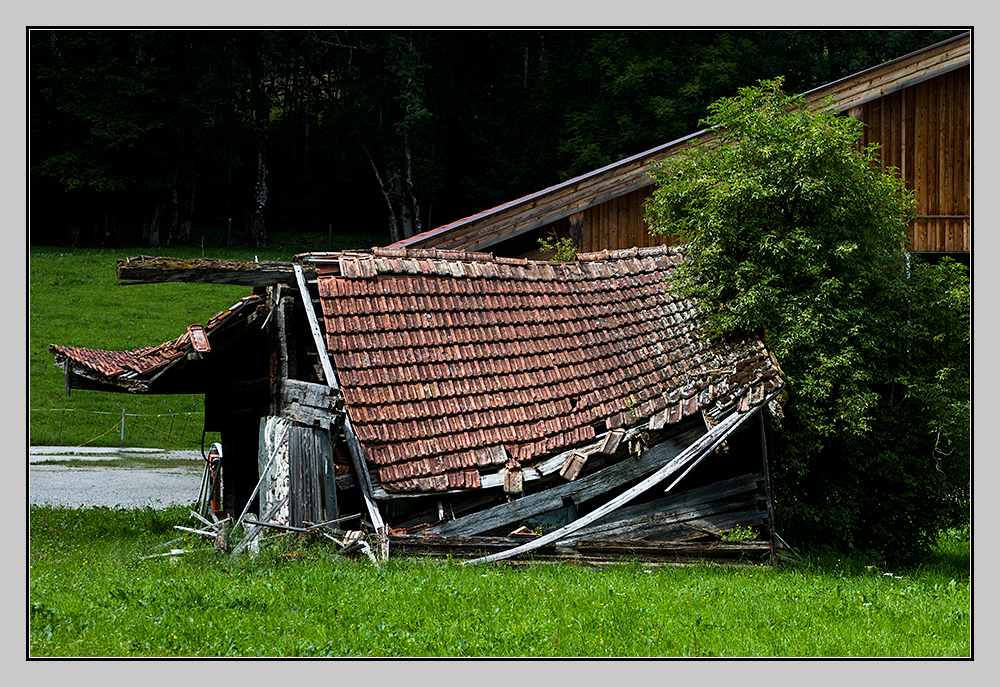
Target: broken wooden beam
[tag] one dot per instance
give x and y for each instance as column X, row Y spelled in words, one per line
column 143, row 269
column 691, row 454
column 578, row 491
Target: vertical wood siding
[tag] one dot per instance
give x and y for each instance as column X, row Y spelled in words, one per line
column 925, row 132
column 619, row 223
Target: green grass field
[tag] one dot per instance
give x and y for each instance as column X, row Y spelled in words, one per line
column 92, row 593
column 74, row 300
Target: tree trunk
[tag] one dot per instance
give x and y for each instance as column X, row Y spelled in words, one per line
column 257, row 234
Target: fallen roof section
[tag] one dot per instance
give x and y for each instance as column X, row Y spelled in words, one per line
column 137, row 370
column 453, row 363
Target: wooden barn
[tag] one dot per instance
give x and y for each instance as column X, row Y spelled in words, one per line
column 917, row 107
column 471, row 404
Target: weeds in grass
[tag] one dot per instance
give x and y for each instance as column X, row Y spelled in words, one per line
column 91, row 593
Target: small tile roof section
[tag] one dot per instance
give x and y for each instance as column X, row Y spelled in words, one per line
column 128, row 368
column 451, row 361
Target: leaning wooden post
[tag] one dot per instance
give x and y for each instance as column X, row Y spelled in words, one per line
column 357, row 457
column 764, row 449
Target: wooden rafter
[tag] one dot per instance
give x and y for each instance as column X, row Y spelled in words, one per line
column 146, row 270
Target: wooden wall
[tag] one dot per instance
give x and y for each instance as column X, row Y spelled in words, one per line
column 615, row 224
column 619, row 223
column 925, row 132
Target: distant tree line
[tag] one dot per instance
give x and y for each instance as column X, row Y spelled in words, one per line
column 156, row 137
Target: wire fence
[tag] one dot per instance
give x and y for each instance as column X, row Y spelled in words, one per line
column 139, row 428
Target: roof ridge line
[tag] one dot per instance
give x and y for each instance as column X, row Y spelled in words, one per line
column 473, row 256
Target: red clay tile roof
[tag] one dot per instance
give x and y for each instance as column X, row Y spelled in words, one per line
column 125, row 367
column 453, row 361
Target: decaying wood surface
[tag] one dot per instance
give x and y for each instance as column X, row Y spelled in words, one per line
column 578, row 491
column 143, row 269
column 312, row 404
column 309, row 450
column 708, row 510
column 585, row 552
column 692, row 453
column 353, row 445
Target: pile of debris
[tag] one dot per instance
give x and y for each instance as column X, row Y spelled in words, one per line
column 222, row 534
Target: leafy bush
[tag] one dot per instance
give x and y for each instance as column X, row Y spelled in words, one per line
column 562, row 248
column 794, row 231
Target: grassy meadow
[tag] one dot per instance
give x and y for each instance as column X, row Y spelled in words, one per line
column 92, row 592
column 74, row 300
column 95, row 591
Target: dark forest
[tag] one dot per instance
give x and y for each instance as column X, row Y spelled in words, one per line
column 163, row 137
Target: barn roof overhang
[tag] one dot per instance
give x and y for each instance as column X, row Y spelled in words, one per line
column 535, row 210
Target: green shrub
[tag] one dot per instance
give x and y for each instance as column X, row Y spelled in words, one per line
column 793, row 231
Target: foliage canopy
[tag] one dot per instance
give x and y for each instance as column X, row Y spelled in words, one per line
column 793, row 230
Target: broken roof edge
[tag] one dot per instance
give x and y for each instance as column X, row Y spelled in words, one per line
column 134, row 370
column 144, row 269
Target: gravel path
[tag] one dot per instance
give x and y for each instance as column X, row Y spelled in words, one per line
column 86, row 487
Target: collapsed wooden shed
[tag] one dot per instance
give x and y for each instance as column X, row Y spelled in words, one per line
column 473, row 404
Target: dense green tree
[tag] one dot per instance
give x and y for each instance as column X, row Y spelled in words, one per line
column 124, row 122
column 793, row 231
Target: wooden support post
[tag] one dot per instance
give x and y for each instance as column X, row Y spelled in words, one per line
column 764, row 450
column 353, row 445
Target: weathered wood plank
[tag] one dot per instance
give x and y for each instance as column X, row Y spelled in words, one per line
column 677, row 524
column 312, row 404
column 691, row 454
column 307, row 393
column 143, row 269
column 353, row 445
column 582, row 551
column 578, row 492
column 712, row 508
column 706, row 496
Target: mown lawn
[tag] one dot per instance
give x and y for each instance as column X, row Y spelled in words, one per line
column 74, row 300
column 91, row 593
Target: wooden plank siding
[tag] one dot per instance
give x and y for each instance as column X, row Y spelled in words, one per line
column 925, row 132
column 618, row 223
